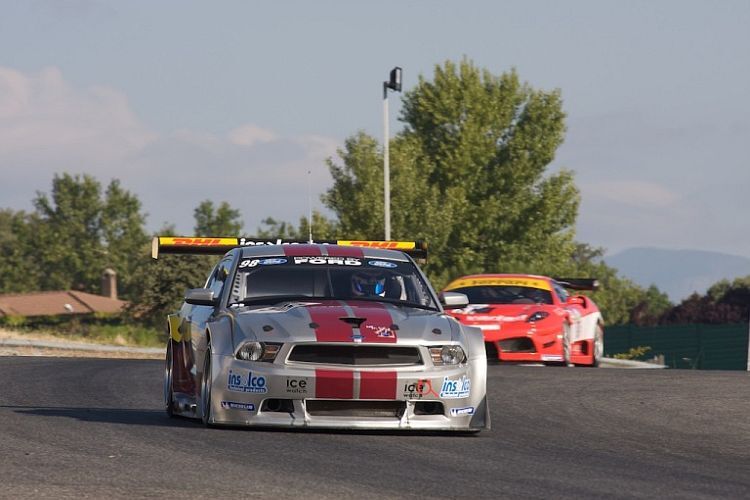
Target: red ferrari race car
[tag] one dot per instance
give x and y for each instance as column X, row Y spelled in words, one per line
column 533, row 318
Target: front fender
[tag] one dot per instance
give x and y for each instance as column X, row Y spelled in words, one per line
column 220, row 331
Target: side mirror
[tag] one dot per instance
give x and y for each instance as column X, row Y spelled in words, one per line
column 453, row 300
column 200, row 297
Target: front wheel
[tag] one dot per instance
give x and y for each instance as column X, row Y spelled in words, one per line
column 206, row 389
column 598, row 347
column 168, row 391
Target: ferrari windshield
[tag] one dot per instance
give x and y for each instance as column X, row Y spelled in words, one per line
column 503, row 294
column 273, row 279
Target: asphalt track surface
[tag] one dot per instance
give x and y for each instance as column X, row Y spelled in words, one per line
column 94, row 428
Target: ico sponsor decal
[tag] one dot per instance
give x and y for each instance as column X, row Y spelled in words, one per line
column 335, row 261
column 241, row 382
column 466, row 410
column 296, row 385
column 455, row 388
column 233, row 405
column 382, row 263
column 262, row 262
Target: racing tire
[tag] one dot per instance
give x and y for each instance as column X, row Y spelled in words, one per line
column 597, row 346
column 168, row 378
column 206, row 381
column 566, row 345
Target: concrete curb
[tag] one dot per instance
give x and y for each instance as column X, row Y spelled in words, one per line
column 79, row 346
column 628, row 363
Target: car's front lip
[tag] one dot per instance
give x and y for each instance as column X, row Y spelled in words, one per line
column 242, row 403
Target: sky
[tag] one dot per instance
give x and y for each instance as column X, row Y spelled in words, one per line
column 237, row 101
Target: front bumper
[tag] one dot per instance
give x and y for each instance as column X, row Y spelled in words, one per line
column 317, row 396
column 539, row 348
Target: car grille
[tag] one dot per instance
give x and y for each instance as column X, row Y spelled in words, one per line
column 519, row 344
column 359, row 355
column 355, row 408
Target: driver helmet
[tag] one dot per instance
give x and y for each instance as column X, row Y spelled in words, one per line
column 368, row 284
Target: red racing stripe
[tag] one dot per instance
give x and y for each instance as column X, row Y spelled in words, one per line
column 377, row 327
column 334, row 384
column 335, row 251
column 302, row 250
column 377, row 385
column 328, row 326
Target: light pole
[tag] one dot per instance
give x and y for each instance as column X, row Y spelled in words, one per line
column 394, row 83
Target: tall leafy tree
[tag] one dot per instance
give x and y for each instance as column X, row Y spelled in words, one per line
column 470, row 170
column 69, row 235
column 124, row 236
column 216, row 221
column 20, row 271
column 78, row 231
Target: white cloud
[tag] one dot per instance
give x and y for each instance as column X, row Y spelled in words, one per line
column 49, row 126
column 631, row 192
column 248, row 135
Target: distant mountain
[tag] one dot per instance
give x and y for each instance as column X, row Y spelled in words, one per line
column 678, row 273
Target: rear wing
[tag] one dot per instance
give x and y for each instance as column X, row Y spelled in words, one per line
column 188, row 245
column 578, row 283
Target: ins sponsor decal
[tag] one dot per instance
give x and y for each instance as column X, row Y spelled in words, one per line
column 335, row 261
column 382, row 263
column 232, row 405
column 246, row 383
column 262, row 262
column 419, row 389
column 455, row 389
column 466, row 410
column 296, row 386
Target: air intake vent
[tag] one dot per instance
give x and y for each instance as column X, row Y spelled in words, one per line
column 359, row 355
column 355, row 408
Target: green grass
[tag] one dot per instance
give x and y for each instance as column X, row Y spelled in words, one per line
column 99, row 329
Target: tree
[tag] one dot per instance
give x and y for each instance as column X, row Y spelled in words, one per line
column 164, row 281
column 19, row 269
column 222, row 221
column 322, row 228
column 469, row 175
column 77, row 233
column 124, row 236
column 724, row 302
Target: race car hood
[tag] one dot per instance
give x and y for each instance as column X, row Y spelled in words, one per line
column 341, row 321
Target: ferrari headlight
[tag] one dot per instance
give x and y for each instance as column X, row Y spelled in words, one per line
column 258, row 351
column 537, row 316
column 447, row 355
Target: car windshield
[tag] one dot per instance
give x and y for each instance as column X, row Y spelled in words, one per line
column 265, row 280
column 503, row 294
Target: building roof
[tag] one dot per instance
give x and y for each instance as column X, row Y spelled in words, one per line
column 57, row 303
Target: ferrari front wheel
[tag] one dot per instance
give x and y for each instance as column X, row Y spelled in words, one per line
column 598, row 347
column 566, row 345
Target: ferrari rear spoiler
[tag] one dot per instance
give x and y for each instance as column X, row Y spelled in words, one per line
column 579, row 283
column 189, row 245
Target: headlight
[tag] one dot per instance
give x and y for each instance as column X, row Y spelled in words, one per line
column 258, row 351
column 537, row 316
column 447, row 355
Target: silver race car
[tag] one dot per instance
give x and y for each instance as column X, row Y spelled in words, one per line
column 340, row 334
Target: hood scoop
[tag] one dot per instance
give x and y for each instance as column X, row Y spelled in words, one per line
column 354, row 321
